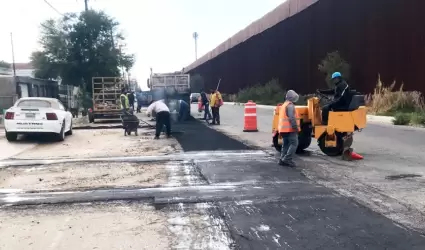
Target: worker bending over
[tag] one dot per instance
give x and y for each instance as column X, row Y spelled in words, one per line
column 125, row 104
column 289, row 125
column 342, row 96
column 162, row 117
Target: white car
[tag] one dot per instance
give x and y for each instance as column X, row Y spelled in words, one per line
column 37, row 115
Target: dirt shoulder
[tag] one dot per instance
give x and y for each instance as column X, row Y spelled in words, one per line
column 98, row 143
column 77, row 176
column 84, row 226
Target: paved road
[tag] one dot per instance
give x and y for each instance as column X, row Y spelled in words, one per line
column 248, row 201
column 389, row 180
column 263, row 206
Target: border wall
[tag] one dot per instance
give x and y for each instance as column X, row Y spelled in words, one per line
column 373, row 36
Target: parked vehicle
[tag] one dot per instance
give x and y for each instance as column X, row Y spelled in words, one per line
column 37, row 115
column 194, row 97
column 106, row 95
column 170, row 86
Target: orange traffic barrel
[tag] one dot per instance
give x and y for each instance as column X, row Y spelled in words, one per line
column 250, row 119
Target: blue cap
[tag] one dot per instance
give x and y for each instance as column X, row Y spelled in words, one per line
column 336, row 74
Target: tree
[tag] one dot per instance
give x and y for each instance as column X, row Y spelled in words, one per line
column 81, row 46
column 4, row 64
column 333, row 62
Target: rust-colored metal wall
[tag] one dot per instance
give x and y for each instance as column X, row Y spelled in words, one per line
column 374, row 36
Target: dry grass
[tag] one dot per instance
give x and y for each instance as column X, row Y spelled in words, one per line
column 385, row 100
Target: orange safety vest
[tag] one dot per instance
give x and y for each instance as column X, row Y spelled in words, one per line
column 284, row 124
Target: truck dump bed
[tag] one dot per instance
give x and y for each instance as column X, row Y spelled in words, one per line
column 180, row 83
column 106, row 93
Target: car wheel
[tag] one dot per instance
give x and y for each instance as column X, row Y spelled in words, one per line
column 11, row 136
column 70, row 130
column 61, row 135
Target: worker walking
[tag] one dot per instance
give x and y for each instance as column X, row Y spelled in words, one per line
column 162, row 117
column 216, row 102
column 206, row 105
column 183, row 110
column 125, row 105
column 342, row 96
column 289, row 126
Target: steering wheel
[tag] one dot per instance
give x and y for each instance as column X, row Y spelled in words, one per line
column 323, row 97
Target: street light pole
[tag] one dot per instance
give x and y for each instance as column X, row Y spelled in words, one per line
column 195, row 36
column 13, row 54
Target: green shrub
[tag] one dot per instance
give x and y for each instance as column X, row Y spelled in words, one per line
column 402, row 118
column 333, row 62
column 268, row 94
column 418, row 118
column 228, row 97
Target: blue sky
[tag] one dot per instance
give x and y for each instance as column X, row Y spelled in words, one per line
column 159, row 32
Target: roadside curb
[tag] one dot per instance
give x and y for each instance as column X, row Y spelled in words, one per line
column 388, row 120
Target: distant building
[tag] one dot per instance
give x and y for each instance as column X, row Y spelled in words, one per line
column 22, row 69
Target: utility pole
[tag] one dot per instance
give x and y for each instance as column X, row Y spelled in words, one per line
column 13, row 54
column 86, row 4
column 195, row 36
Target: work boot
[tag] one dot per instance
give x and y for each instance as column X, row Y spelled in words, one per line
column 156, row 138
column 282, row 163
column 287, row 163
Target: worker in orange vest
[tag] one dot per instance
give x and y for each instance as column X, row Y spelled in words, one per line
column 289, row 126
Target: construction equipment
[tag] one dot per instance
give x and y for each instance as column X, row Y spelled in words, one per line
column 334, row 139
column 130, row 123
column 170, row 86
column 106, row 93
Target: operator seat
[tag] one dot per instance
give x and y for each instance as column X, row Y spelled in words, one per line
column 356, row 101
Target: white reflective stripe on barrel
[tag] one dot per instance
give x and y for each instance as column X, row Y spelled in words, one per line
column 250, row 114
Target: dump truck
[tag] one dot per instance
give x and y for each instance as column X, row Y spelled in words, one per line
column 170, row 86
column 106, row 93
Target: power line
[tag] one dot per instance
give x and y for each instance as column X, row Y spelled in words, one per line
column 53, row 8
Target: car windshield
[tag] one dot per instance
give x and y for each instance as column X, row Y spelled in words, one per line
column 34, row 104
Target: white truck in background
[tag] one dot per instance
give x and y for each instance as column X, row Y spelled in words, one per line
column 170, row 86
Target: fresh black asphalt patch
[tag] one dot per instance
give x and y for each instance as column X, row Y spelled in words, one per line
column 195, row 136
column 285, row 210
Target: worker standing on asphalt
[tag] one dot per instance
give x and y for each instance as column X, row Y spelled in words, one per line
column 162, row 117
column 125, row 105
column 131, row 100
column 216, row 102
column 289, row 125
column 342, row 96
column 206, row 105
column 139, row 97
column 183, row 110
